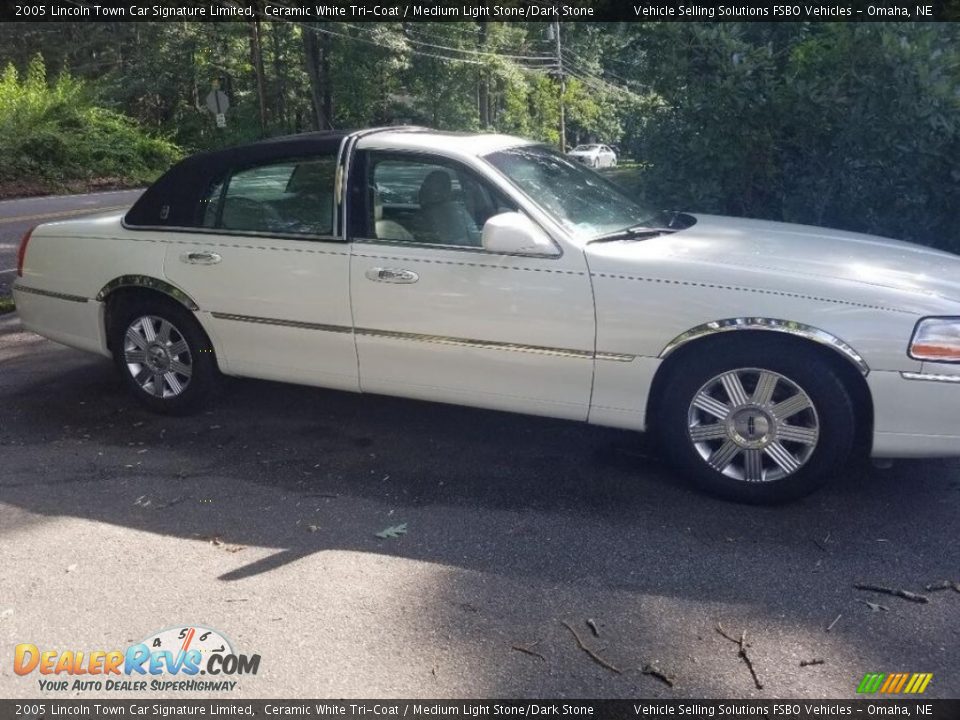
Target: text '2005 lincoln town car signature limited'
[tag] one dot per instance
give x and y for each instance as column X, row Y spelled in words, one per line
column 491, row 271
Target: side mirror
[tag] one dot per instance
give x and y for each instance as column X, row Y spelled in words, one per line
column 512, row 233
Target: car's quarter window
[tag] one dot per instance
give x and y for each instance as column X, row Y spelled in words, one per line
column 424, row 200
column 290, row 197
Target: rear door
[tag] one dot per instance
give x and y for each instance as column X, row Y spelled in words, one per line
column 270, row 275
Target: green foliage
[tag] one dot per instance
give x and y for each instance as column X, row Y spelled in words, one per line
column 848, row 125
column 54, row 132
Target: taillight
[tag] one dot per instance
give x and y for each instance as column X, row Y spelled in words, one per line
column 22, row 252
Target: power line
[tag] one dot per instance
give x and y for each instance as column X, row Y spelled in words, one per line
column 468, row 51
column 603, row 69
column 325, row 31
column 422, row 43
column 598, row 83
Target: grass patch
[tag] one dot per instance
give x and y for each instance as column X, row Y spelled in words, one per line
column 629, row 176
column 39, row 186
column 54, row 133
column 6, row 305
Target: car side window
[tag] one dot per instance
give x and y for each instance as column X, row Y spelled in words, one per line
column 424, row 200
column 290, row 197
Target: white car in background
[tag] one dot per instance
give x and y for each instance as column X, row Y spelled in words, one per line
column 594, row 156
column 491, row 271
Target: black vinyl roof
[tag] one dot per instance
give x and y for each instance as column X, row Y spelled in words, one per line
column 174, row 199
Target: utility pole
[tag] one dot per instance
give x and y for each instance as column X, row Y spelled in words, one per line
column 563, row 85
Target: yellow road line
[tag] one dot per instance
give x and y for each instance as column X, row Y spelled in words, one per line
column 63, row 214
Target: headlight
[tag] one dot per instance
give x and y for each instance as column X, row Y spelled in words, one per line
column 936, row 340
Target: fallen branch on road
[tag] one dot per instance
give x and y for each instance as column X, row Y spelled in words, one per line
column 742, row 646
column 592, row 655
column 528, row 651
column 944, row 585
column 896, row 592
column 656, row 672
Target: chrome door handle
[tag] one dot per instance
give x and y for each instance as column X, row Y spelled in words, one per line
column 201, row 258
column 392, row 275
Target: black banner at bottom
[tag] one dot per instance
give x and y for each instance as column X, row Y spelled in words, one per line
column 47, row 709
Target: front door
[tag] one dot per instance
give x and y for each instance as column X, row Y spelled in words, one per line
column 438, row 318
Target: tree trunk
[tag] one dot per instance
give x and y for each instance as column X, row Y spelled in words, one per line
column 483, row 81
column 325, row 80
column 315, row 57
column 280, row 101
column 256, row 59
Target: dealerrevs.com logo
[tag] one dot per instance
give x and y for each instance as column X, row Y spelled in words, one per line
column 171, row 660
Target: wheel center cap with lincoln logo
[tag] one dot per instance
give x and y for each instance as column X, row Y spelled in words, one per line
column 158, row 358
column 750, row 427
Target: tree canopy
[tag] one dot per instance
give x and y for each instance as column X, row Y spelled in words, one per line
column 852, row 125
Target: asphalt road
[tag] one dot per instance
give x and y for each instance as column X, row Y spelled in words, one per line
column 258, row 519
column 18, row 216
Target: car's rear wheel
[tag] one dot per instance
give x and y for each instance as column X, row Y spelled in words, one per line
column 163, row 355
column 757, row 422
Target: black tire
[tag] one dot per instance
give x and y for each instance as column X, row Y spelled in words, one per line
column 187, row 377
column 807, row 377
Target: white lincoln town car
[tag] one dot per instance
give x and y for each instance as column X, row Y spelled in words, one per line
column 491, row 271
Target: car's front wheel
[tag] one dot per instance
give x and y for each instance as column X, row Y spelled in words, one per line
column 758, row 422
column 163, row 355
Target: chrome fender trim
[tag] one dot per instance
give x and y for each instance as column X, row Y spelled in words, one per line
column 145, row 281
column 789, row 327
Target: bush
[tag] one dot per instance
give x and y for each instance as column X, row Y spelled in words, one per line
column 848, row 125
column 53, row 132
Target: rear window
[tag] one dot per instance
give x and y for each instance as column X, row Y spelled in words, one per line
column 291, row 197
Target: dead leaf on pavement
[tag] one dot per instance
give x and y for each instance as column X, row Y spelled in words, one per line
column 392, row 532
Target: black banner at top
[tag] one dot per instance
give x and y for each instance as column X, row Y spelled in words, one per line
column 478, row 10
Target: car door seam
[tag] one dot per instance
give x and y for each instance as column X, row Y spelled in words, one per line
column 468, row 264
column 759, row 291
column 211, row 243
column 353, row 320
column 596, row 331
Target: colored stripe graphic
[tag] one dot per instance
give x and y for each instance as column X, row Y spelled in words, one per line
column 871, row 682
column 894, row 683
column 918, row 683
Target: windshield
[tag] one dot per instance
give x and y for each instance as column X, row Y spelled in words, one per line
column 584, row 202
column 586, row 147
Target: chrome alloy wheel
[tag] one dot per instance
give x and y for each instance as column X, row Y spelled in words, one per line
column 753, row 425
column 157, row 356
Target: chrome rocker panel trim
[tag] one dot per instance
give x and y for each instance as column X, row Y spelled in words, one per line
column 50, row 293
column 439, row 339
